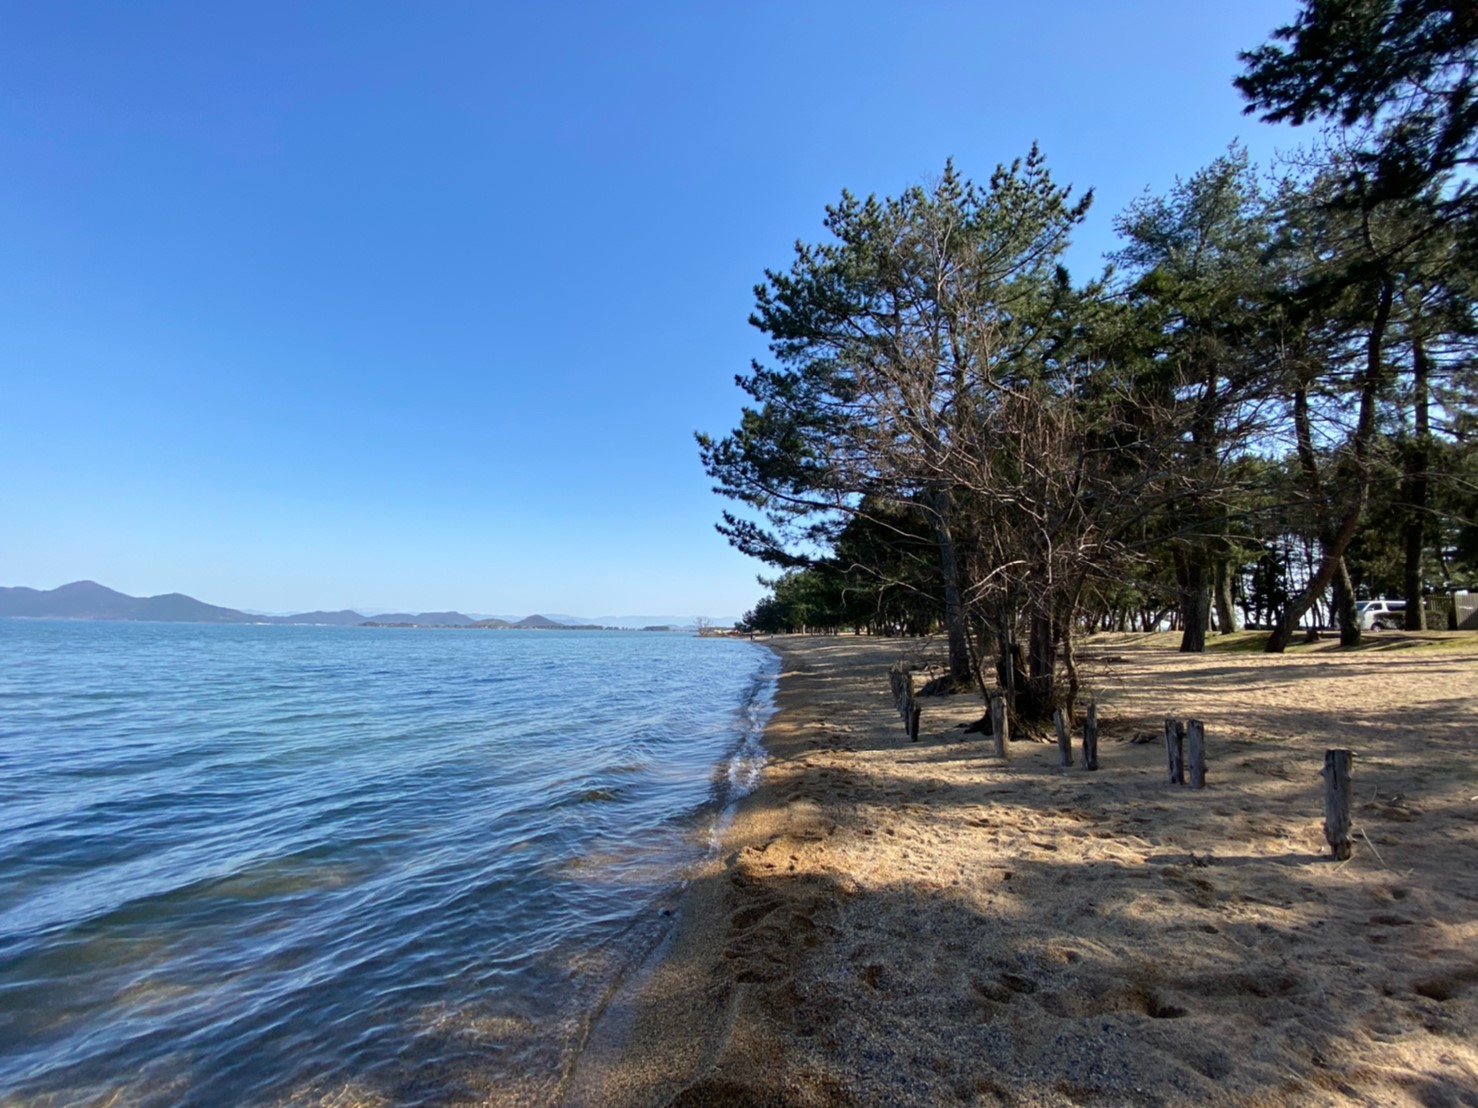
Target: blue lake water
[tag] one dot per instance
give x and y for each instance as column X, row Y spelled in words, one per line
column 262, row 865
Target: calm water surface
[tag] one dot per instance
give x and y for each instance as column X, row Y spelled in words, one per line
column 257, row 865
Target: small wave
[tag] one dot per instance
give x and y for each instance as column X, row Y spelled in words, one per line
column 594, row 796
column 746, row 762
column 268, row 888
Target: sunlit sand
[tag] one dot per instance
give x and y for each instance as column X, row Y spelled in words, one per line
column 897, row 923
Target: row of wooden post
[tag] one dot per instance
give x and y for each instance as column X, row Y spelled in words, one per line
column 1337, row 774
column 1185, row 750
column 1000, row 729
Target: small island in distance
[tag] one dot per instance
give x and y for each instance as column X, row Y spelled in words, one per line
column 87, row 600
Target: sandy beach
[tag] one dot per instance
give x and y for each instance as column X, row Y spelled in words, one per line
column 921, row 923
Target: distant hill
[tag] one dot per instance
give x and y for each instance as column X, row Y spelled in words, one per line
column 175, row 607
column 89, row 600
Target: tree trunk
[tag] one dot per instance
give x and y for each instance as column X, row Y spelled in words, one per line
column 984, row 645
column 1345, row 614
column 1225, row 598
column 1067, row 626
column 1373, row 379
column 1194, row 595
column 1010, row 664
column 1414, row 491
column 1415, row 534
column 1329, row 564
column 1037, row 698
column 955, row 624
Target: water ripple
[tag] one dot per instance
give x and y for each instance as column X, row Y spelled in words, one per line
column 259, row 865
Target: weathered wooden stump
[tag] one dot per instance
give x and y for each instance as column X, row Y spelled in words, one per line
column 900, row 679
column 1064, row 739
column 1175, row 750
column 1000, row 723
column 1090, row 738
column 1338, row 791
column 1195, row 732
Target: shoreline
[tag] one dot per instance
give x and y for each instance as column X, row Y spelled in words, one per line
column 896, row 923
column 609, row 1038
column 665, row 1022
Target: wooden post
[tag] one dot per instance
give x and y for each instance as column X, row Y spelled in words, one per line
column 1175, row 750
column 1000, row 722
column 1090, row 737
column 1195, row 732
column 1338, row 790
column 900, row 679
column 1064, row 740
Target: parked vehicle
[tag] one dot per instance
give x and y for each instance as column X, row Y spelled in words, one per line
column 1381, row 614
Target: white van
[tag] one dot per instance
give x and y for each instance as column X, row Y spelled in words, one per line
column 1381, row 614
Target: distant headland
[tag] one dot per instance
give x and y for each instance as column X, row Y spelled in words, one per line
column 87, row 600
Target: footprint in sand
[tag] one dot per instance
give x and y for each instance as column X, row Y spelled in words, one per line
column 1390, row 919
column 1018, row 983
column 1446, row 986
column 745, row 918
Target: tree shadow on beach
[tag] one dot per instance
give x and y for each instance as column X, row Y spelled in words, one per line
column 919, row 923
column 1160, row 975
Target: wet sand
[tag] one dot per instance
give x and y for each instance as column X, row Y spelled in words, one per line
column 920, row 923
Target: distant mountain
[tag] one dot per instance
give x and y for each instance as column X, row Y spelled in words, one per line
column 175, row 607
column 89, row 600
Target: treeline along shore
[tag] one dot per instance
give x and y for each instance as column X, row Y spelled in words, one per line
column 918, row 923
column 1261, row 411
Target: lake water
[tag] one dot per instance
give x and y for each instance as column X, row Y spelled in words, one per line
column 259, row 865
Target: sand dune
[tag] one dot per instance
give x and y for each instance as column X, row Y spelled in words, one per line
column 920, row 923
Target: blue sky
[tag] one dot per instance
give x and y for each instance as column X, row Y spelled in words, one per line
column 417, row 306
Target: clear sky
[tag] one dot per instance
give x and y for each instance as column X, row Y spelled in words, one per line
column 417, row 305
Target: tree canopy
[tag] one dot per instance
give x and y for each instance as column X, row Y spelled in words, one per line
column 1266, row 409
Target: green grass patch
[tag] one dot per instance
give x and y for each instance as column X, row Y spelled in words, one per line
column 1238, row 642
column 1255, row 642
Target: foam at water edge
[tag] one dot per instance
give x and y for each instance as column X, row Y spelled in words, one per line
column 744, row 766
